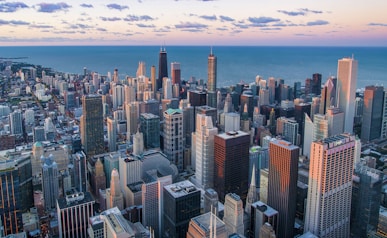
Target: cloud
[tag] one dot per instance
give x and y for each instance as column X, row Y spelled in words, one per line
column 317, row 23
column 271, row 28
column 311, row 11
column 377, row 24
column 226, row 18
column 221, row 29
column 303, row 34
column 145, row 25
column 13, row 23
column 86, row 5
column 101, row 29
column 190, row 25
column 262, row 20
column 138, row 18
column 293, row 13
column 41, row 26
column 12, row 6
column 110, row 18
column 163, row 30
column 52, row 7
column 117, row 6
column 210, row 18
column 241, row 25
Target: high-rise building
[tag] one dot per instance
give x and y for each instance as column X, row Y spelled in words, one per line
column 204, row 149
column 210, row 200
column 346, row 90
column 328, row 95
column 163, row 68
column 92, row 125
column 181, row 203
column 80, row 171
column 16, row 194
column 112, row 133
column 16, row 122
column 118, row 95
column 328, row 206
column 98, row 178
column 283, row 172
column 167, row 88
column 153, row 79
column 152, row 204
column 290, row 131
column 211, row 80
column 206, row 225
column 365, row 204
column 150, row 127
column 138, row 143
column 130, row 94
column 316, row 84
column 336, row 121
column 372, row 113
column 252, row 194
column 131, row 110
column 175, row 73
column 233, row 214
column 50, row 181
column 262, row 213
column 383, row 133
column 231, row 152
column 74, row 211
column 114, row 196
column 173, row 136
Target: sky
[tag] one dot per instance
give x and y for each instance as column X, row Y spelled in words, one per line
column 194, row 22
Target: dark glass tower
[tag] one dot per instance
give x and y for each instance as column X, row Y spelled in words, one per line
column 163, row 68
column 316, row 84
column 92, row 125
column 372, row 113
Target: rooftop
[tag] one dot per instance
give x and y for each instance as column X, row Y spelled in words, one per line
column 75, row 198
column 181, row 189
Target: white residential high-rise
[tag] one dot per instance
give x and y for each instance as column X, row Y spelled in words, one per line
column 118, row 95
column 346, row 90
column 167, row 88
column 328, row 206
column 173, row 136
column 205, row 132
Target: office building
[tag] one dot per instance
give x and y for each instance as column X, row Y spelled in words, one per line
column 252, row 194
column 290, row 131
column 208, row 111
column 330, row 186
column 328, row 95
column 130, row 94
column 211, row 80
column 206, row 225
column 114, row 196
column 74, row 211
column 346, row 90
column 372, row 113
column 233, row 214
column 173, row 136
column 336, row 121
column 98, row 178
column 131, row 110
column 16, row 123
column 210, row 201
column 197, row 98
column 79, row 174
column 261, row 213
column 112, row 133
column 167, row 88
column 163, row 68
column 152, row 204
column 316, row 84
column 16, row 192
column 50, row 181
column 204, row 150
column 110, row 161
column 366, row 197
column 150, row 127
column 92, row 125
column 39, row 134
column 283, row 173
column 118, row 95
column 231, row 150
column 267, row 231
column 181, row 203
column 130, row 169
column 175, row 73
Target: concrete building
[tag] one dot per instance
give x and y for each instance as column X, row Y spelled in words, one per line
column 233, row 214
column 173, row 137
column 50, row 181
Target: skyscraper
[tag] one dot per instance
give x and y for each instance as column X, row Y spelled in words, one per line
column 181, row 203
column 92, row 125
column 330, row 186
column 74, row 211
column 15, row 192
column 366, row 195
column 150, row 127
column 50, row 182
column 163, row 68
column 233, row 214
column 231, row 152
column 173, row 136
column 283, row 173
column 175, row 73
column 16, row 122
column 328, row 95
column 316, row 84
column 384, row 116
column 372, row 113
column 118, row 95
column 204, row 138
column 131, row 110
column 261, row 213
column 114, row 196
column 206, row 225
column 112, row 133
column 346, row 90
column 211, row 80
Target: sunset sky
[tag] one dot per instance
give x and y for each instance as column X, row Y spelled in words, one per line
column 193, row 22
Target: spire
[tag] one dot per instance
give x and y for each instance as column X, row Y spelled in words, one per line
column 115, row 183
column 253, row 182
column 252, row 194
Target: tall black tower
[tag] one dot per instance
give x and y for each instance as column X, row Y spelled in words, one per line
column 163, row 67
